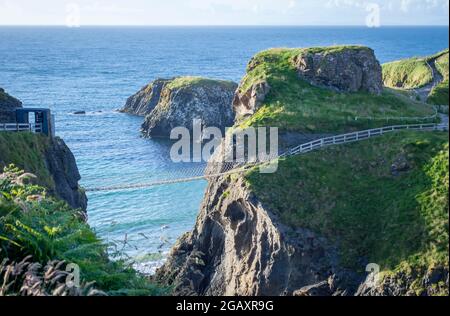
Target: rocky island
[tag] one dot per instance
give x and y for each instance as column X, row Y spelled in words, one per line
column 169, row 103
column 315, row 226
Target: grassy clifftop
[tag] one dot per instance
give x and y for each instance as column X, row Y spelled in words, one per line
column 181, row 82
column 413, row 73
column 384, row 200
column 407, row 74
column 439, row 94
column 27, row 151
column 295, row 105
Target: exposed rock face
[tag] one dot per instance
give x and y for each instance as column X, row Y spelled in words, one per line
column 63, row 168
column 239, row 248
column 146, row 99
column 8, row 105
column 248, row 102
column 436, row 281
column 183, row 100
column 347, row 70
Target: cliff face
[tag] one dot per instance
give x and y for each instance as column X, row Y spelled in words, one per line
column 8, row 105
column 349, row 70
column 64, row 171
column 167, row 104
column 49, row 159
column 239, row 247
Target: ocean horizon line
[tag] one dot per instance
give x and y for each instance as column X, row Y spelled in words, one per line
column 227, row 25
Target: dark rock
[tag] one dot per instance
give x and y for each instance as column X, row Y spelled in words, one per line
column 400, row 164
column 245, row 250
column 347, row 70
column 435, row 282
column 8, row 106
column 63, row 168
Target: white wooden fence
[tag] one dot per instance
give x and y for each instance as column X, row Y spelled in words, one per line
column 20, row 127
column 361, row 135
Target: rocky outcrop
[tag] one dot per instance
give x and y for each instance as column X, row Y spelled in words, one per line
column 184, row 99
column 146, row 99
column 348, row 69
column 246, row 103
column 8, row 105
column 62, row 166
column 238, row 247
column 434, row 283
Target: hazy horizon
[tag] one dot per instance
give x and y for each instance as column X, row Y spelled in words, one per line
column 372, row 13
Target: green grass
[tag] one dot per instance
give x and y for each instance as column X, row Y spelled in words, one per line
column 414, row 73
column 48, row 229
column 3, row 95
column 407, row 74
column 27, row 151
column 439, row 94
column 442, row 64
column 295, row 105
column 348, row 194
column 182, row 82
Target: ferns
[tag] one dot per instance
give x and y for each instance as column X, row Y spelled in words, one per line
column 34, row 225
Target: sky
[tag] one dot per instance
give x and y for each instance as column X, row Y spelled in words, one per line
column 224, row 12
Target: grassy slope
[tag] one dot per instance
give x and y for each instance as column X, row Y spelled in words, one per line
column 49, row 230
column 348, row 194
column 407, row 74
column 293, row 104
column 439, row 95
column 181, row 82
column 3, row 94
column 414, row 73
column 27, row 151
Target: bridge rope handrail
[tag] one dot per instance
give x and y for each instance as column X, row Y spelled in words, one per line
column 301, row 149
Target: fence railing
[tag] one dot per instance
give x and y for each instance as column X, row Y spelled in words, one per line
column 357, row 136
column 21, row 127
column 304, row 148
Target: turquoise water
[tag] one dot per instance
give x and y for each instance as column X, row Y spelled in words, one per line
column 96, row 69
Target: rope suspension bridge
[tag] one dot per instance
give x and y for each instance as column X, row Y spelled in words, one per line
column 228, row 168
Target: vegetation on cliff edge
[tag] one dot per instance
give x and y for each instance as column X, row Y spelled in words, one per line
column 295, row 105
column 26, row 151
column 33, row 224
column 413, row 73
column 439, row 94
column 384, row 200
column 181, row 82
column 407, row 74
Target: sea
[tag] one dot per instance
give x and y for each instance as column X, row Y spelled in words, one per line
column 95, row 69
